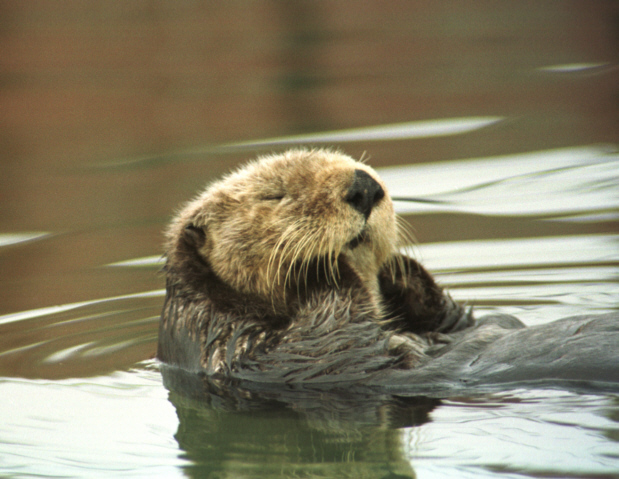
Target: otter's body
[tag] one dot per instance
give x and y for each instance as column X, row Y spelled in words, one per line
column 289, row 271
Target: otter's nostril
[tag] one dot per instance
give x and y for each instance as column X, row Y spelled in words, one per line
column 364, row 193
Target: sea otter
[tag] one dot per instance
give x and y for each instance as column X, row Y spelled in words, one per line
column 289, row 271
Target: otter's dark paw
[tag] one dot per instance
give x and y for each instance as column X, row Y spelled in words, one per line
column 415, row 303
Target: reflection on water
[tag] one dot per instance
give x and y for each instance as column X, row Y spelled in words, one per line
column 327, row 433
column 111, row 426
column 7, row 239
column 402, row 131
column 516, row 428
column 575, row 67
column 494, row 127
column 124, row 425
column 548, row 184
column 80, row 339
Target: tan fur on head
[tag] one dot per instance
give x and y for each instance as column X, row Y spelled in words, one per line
column 264, row 223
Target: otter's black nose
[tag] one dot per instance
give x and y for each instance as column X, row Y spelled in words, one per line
column 364, row 193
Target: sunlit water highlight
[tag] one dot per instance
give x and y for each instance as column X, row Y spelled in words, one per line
column 7, row 239
column 116, row 425
column 555, row 183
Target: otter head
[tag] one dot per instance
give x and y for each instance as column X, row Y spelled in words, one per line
column 263, row 227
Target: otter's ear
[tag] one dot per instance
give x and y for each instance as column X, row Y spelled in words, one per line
column 195, row 235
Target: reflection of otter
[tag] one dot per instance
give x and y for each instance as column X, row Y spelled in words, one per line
column 290, row 433
column 288, row 271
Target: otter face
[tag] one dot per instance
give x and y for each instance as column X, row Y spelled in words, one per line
column 265, row 223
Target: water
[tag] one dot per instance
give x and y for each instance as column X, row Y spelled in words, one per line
column 502, row 117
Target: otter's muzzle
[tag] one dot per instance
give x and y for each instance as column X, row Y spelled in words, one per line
column 364, row 193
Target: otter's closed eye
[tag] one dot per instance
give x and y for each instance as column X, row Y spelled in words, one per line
column 273, row 197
